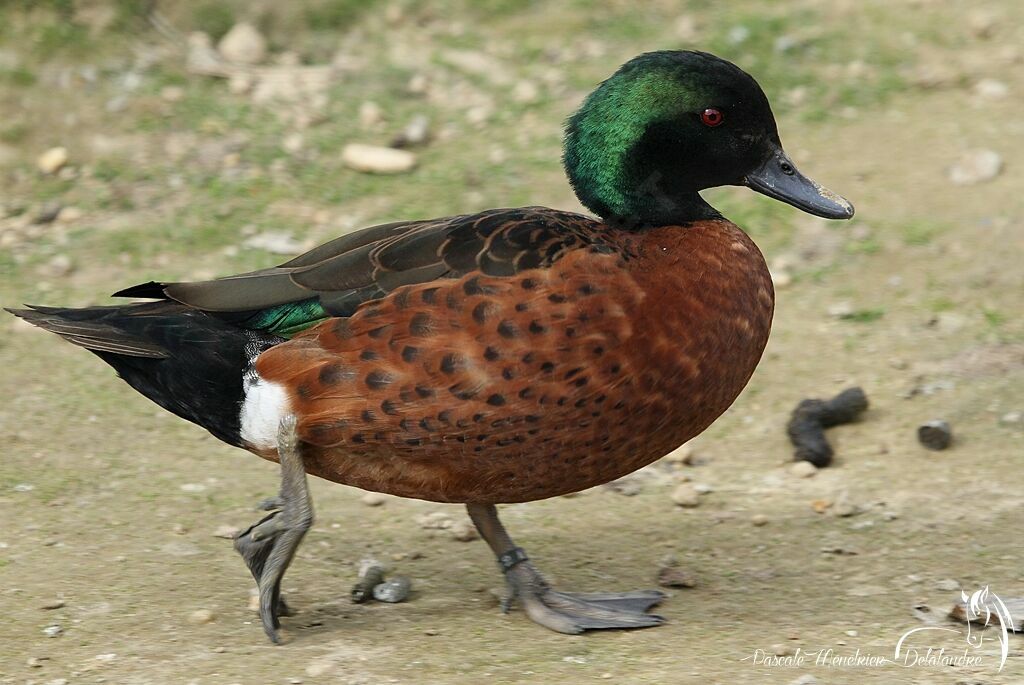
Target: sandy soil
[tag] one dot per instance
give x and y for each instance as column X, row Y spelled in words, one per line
column 111, row 506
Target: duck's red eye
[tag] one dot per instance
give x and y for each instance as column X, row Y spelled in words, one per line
column 712, row 117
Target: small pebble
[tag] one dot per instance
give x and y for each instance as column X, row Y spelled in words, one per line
column 370, row 114
column 820, row 506
column 976, row 166
column 781, row 649
column 671, row 576
column 53, row 160
column 685, row 495
column 1011, row 418
column 53, row 631
column 371, row 574
column 373, row 499
column 947, row 585
column 172, row 93
column 845, row 507
column 373, row 159
column 464, row 531
column 436, row 520
column 759, row 520
column 991, row 89
column 806, row 679
column 34, row 662
column 53, row 604
column 416, row 132
column 200, row 616
column 803, row 469
column 243, row 44
column 935, row 435
column 393, row 591
column 226, row 532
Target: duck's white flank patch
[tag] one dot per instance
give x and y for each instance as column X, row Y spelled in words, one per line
column 264, row 405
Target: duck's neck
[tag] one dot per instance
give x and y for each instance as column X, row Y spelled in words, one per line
column 615, row 174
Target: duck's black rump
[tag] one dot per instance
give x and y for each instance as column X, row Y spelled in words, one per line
column 188, row 362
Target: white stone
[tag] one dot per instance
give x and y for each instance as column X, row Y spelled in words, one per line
column 976, row 166
column 685, row 495
column 53, row 160
column 374, row 159
column 991, row 89
column 803, row 469
column 243, row 44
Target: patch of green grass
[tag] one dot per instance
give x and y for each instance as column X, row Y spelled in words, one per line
column 215, row 18
column 921, row 232
column 19, row 77
column 14, row 132
column 333, row 15
column 867, row 246
column 864, row 315
column 994, row 317
column 941, row 304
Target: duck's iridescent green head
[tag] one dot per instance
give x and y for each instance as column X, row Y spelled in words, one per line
column 669, row 124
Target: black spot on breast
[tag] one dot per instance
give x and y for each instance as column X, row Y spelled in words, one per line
column 483, row 311
column 572, row 372
column 587, row 289
column 445, row 416
column 452, row 362
column 389, row 407
column 368, row 355
column 474, row 287
column 508, row 373
column 405, row 394
column 414, row 442
column 547, row 367
column 379, row 331
column 421, row 324
column 556, row 298
column 424, row 391
column 508, row 329
column 528, row 358
column 522, row 306
column 303, row 391
column 460, row 391
column 537, row 328
column 532, row 418
column 528, row 284
column 526, row 393
column 342, row 329
column 580, row 382
column 334, row 373
column 358, row 439
column 428, row 424
column 491, row 354
column 409, row 353
column 375, row 380
column 429, row 295
column 496, row 400
column 401, row 299
column 369, row 416
column 453, row 301
column 371, row 312
column 406, row 424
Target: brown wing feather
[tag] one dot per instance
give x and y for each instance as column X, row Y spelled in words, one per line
column 370, row 263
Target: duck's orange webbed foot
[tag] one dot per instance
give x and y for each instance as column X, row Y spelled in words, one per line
column 269, row 545
column 564, row 612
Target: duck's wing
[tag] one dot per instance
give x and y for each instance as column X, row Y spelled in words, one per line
column 336, row 277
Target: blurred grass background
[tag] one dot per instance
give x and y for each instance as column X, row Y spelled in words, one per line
column 199, row 167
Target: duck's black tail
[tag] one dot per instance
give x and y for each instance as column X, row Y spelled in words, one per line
column 188, row 362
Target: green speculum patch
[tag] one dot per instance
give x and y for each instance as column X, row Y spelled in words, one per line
column 285, row 320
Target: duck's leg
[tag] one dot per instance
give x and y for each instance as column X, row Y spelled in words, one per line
column 565, row 612
column 269, row 545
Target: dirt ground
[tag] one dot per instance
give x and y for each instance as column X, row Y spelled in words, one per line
column 110, row 507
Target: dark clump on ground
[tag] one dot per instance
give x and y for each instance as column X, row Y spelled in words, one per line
column 807, row 425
